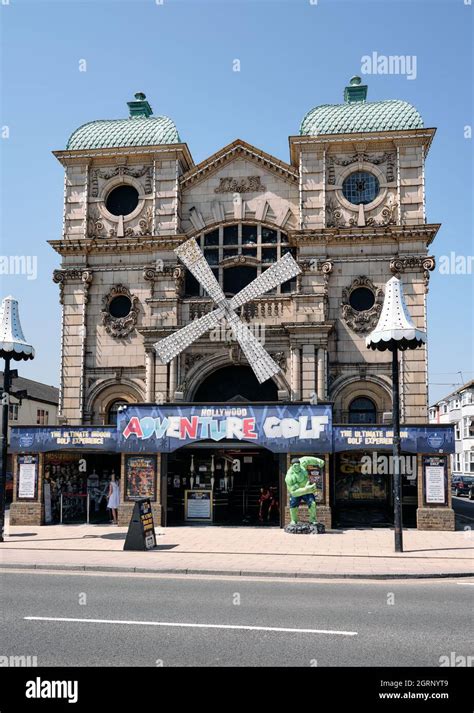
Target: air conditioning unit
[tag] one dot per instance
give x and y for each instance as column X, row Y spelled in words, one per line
column 387, row 417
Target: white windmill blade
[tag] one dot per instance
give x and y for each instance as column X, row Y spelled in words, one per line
column 192, row 256
column 279, row 272
column 171, row 346
column 261, row 362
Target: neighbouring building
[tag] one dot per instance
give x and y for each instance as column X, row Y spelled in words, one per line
column 457, row 409
column 349, row 205
column 38, row 406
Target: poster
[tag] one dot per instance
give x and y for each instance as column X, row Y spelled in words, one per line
column 198, row 505
column 27, row 477
column 435, row 480
column 140, row 472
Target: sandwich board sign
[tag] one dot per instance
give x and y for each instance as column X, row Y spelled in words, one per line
column 141, row 530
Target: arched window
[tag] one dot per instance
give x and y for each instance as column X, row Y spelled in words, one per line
column 113, row 410
column 221, row 246
column 362, row 410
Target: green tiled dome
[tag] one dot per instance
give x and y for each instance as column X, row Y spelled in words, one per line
column 140, row 129
column 358, row 115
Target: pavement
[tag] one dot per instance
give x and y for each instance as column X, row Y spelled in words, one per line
column 242, row 551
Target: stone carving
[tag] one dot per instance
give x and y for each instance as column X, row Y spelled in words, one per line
column 146, row 171
column 145, row 224
column 334, row 217
column 119, row 327
column 151, row 273
column 60, row 277
column 361, row 321
column 250, row 184
column 95, row 225
column 414, row 262
column 387, row 157
column 280, row 358
column 190, row 360
column 388, row 213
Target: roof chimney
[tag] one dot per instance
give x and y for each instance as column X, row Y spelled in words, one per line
column 140, row 107
column 355, row 92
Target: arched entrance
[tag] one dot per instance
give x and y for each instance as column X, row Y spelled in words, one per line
column 235, row 383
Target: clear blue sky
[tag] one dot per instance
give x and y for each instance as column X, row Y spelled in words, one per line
column 294, row 55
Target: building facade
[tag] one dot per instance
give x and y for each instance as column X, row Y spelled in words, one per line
column 457, row 409
column 350, row 207
column 38, row 405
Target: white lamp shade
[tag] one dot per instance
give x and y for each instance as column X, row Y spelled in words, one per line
column 395, row 328
column 12, row 340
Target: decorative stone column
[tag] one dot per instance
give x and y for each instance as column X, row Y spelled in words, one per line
column 295, row 374
column 173, row 378
column 150, row 374
column 322, row 375
column 308, row 371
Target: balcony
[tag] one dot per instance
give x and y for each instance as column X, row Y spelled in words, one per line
column 271, row 310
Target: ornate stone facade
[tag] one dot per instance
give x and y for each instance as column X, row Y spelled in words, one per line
column 313, row 331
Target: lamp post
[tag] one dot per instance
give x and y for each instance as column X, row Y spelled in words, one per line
column 395, row 331
column 13, row 346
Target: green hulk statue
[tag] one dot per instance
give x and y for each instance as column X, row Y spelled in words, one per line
column 300, row 488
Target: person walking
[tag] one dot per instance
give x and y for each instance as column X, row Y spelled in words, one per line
column 113, row 499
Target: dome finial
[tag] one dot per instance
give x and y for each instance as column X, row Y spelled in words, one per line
column 140, row 107
column 355, row 92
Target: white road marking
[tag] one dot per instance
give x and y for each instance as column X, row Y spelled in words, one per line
column 183, row 625
column 466, row 584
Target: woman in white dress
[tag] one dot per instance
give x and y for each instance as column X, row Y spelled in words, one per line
column 113, row 499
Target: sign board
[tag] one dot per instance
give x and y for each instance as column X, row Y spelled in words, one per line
column 414, row 439
column 28, row 439
column 300, row 427
column 27, row 477
column 141, row 530
column 436, row 481
column 198, row 505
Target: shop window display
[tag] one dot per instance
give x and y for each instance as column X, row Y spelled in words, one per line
column 78, row 479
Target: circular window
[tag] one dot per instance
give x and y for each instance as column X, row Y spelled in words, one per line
column 360, row 187
column 361, row 299
column 122, row 200
column 120, row 306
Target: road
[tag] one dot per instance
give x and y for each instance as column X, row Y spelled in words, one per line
column 187, row 621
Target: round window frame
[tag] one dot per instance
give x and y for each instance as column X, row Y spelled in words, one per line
column 361, row 287
column 107, row 190
column 367, row 168
column 117, row 297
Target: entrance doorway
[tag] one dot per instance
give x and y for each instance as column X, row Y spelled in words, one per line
column 233, row 485
column 361, row 499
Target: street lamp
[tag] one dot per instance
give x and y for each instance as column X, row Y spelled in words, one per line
column 395, row 331
column 12, row 346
